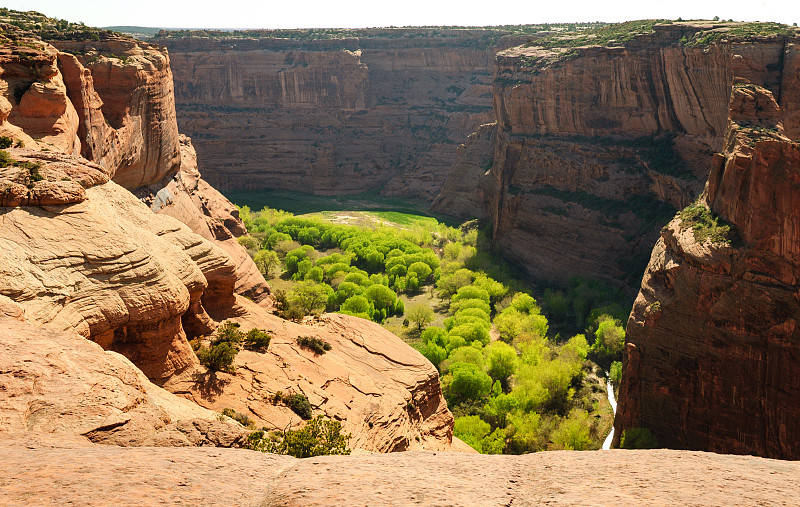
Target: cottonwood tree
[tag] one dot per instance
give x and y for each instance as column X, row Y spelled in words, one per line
column 420, row 314
column 266, row 260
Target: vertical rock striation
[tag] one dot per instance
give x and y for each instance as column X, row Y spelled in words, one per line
column 597, row 145
column 383, row 111
column 713, row 354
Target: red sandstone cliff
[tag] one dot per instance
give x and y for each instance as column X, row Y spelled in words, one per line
column 597, row 146
column 712, row 358
column 382, row 112
column 79, row 253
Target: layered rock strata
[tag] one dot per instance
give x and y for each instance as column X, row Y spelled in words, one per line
column 187, row 197
column 597, row 146
column 47, row 472
column 713, row 347
column 62, row 384
column 79, row 253
column 381, row 112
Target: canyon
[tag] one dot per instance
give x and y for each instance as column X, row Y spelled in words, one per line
column 711, row 358
column 381, row 110
column 117, row 249
column 562, row 136
column 98, row 196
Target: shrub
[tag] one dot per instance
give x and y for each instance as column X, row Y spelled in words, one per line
column 229, row 332
column 706, row 224
column 218, row 357
column 240, row 418
column 317, row 345
column 638, row 438
column 320, row 437
column 257, row 340
column 299, row 405
column 5, row 142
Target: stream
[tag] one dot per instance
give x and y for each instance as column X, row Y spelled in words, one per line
column 613, row 401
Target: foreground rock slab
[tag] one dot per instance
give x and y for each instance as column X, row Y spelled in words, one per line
column 46, row 472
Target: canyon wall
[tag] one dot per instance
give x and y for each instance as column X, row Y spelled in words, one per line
column 596, row 146
column 712, row 358
column 90, row 249
column 382, row 112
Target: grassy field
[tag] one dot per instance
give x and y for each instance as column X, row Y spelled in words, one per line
column 395, row 209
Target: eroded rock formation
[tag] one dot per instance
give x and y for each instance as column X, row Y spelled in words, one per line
column 381, row 112
column 50, row 472
column 597, row 146
column 60, row 383
column 187, row 197
column 80, row 253
column 713, row 350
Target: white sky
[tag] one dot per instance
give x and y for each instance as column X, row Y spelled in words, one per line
column 362, row 13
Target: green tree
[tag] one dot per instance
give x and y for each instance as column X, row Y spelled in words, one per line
column 358, row 306
column 266, row 260
column 434, row 353
column 381, row 296
column 469, row 383
column 472, row 430
column 501, row 362
column 422, row 270
column 420, row 314
column 435, row 335
column 609, row 341
column 573, row 432
column 310, row 297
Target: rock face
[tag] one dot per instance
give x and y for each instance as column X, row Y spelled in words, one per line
column 459, row 196
column 42, row 471
column 190, row 199
column 109, row 100
column 386, row 394
column 122, row 89
column 597, row 146
column 113, row 271
column 60, row 383
column 381, row 112
column 713, row 348
column 80, row 253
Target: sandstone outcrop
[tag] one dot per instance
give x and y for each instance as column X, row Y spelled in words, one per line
column 123, row 91
column 190, row 199
column 42, row 471
column 102, row 264
column 386, row 394
column 109, row 100
column 597, row 145
column 383, row 111
column 712, row 359
column 62, row 384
